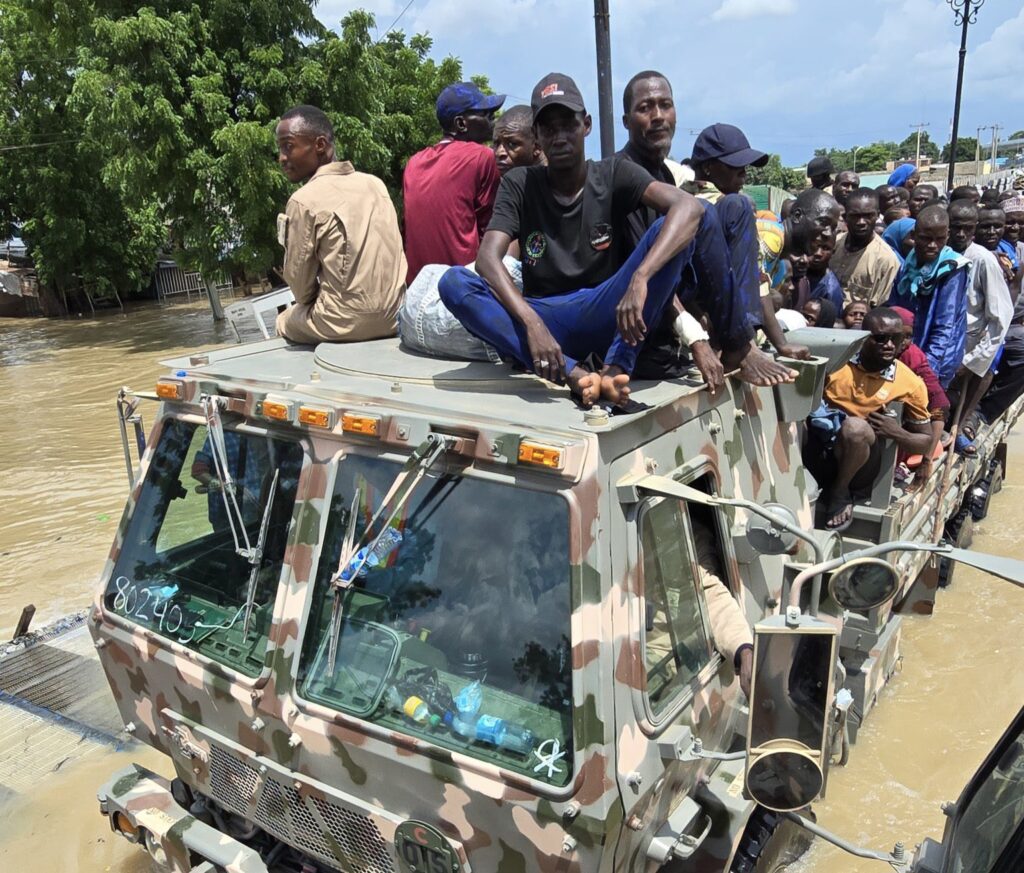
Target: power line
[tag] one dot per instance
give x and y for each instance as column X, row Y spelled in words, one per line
column 393, row 23
column 38, row 145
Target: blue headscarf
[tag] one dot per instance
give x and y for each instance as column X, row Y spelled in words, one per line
column 917, row 281
column 901, row 174
column 896, row 232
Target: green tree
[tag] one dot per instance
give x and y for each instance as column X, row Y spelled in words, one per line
column 77, row 226
column 966, row 148
column 1017, row 134
column 868, row 158
column 161, row 119
column 773, row 173
column 908, row 148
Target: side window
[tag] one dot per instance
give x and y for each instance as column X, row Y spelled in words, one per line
column 677, row 643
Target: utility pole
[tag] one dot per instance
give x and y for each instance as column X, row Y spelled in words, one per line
column 995, row 144
column 603, row 34
column 977, row 148
column 921, row 125
column 965, row 13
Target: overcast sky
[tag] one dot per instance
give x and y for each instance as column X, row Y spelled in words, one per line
column 793, row 74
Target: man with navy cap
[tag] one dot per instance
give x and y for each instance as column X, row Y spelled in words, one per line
column 449, row 187
column 720, row 157
column 585, row 292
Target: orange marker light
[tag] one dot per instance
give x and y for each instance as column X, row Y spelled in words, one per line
column 542, row 456
column 316, row 417
column 367, row 425
column 169, row 390
column 276, row 411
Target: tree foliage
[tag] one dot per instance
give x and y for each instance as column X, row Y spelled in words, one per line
column 966, row 149
column 166, row 115
column 908, row 148
column 773, row 173
column 863, row 159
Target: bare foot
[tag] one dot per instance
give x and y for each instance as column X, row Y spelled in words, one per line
column 757, row 368
column 615, row 387
column 585, row 386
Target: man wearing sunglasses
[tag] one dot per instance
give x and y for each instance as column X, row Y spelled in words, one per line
column 846, row 460
column 449, row 187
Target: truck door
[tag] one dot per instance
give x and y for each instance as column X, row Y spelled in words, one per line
column 986, row 831
column 669, row 675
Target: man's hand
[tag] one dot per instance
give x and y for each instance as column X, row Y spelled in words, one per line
column 746, row 671
column 885, row 425
column 546, row 354
column 758, row 369
column 629, row 314
column 798, row 353
column 710, row 366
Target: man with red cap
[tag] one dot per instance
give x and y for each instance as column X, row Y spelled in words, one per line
column 449, row 187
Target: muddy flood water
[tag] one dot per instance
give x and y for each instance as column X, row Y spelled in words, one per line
column 62, row 489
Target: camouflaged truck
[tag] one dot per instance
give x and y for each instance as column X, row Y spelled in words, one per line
column 391, row 613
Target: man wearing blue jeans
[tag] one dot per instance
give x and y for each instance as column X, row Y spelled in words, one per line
column 582, row 294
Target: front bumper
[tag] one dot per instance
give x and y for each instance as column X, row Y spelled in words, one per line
column 140, row 807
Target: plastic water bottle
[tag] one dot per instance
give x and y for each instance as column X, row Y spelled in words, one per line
column 504, row 734
column 413, row 707
column 388, row 542
column 467, row 705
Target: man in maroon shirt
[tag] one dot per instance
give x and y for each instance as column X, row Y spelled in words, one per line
column 449, row 187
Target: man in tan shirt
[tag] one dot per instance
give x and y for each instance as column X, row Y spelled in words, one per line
column 343, row 253
column 864, row 264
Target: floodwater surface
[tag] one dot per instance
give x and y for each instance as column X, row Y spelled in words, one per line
column 64, row 485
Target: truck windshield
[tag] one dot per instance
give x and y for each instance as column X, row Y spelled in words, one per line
column 178, row 572
column 457, row 628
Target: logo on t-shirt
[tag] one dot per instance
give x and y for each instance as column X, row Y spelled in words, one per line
column 600, row 236
column 536, row 245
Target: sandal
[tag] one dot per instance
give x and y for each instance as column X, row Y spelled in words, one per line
column 833, row 507
column 965, row 446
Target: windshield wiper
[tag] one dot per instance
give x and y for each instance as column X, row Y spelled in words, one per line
column 257, row 558
column 215, row 430
column 424, row 456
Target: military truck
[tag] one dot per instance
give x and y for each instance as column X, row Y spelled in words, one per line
column 391, row 613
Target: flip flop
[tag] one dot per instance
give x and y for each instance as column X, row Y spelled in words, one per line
column 834, row 506
column 965, row 446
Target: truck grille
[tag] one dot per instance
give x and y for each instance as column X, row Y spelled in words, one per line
column 324, row 829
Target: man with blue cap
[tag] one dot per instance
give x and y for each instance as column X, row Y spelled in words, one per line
column 449, row 187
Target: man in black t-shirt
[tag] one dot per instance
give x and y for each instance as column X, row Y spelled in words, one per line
column 583, row 292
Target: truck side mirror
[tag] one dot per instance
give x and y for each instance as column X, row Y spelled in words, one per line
column 863, row 584
column 790, row 705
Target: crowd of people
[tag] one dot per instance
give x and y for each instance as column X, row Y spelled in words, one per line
column 591, row 273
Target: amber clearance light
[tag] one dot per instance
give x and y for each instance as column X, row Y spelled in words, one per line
column 542, row 456
column 367, row 425
column 169, row 390
column 316, row 417
column 277, row 411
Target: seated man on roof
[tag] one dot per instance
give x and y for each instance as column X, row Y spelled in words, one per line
column 582, row 295
column 649, row 115
column 342, row 249
column 845, row 436
column 424, row 324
